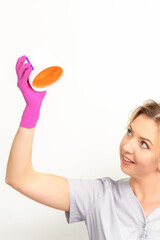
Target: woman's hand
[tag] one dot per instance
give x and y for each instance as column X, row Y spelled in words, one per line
column 32, row 98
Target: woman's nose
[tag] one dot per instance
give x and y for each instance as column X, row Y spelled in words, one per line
column 128, row 147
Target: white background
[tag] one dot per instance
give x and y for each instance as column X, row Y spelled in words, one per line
column 111, row 56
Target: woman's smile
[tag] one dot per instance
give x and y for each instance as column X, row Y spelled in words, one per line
column 126, row 161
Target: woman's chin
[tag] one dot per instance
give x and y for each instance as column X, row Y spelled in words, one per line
column 124, row 170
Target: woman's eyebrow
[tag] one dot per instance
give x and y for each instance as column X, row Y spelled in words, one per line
column 142, row 137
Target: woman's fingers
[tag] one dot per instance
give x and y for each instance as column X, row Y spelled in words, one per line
column 27, row 73
column 19, row 63
column 22, row 70
column 23, row 81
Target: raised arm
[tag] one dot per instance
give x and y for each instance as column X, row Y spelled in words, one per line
column 48, row 189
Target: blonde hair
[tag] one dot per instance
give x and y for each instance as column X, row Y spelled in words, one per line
column 152, row 110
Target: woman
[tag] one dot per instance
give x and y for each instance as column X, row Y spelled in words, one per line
column 112, row 210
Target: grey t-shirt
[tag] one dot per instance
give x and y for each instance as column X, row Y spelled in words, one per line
column 111, row 210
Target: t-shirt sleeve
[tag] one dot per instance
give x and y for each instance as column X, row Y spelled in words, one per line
column 83, row 194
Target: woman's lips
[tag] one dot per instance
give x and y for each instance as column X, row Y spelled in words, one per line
column 125, row 162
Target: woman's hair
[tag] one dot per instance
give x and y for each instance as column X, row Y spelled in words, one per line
column 151, row 109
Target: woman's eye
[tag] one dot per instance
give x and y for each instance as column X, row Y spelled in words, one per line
column 128, row 131
column 145, row 144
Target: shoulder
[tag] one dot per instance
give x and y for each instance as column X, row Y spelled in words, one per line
column 116, row 187
column 96, row 187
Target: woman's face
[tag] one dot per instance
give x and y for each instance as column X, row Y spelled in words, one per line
column 144, row 153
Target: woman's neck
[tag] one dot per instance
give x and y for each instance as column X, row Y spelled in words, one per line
column 147, row 188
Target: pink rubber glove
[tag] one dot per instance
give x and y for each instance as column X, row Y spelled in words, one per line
column 33, row 98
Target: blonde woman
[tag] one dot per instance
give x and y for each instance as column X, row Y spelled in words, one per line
column 127, row 209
